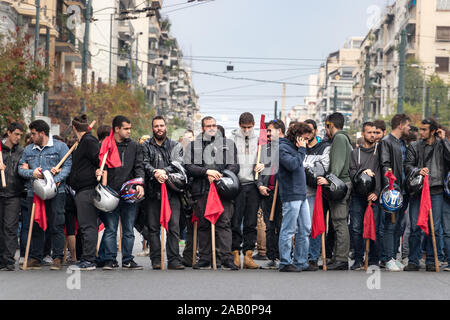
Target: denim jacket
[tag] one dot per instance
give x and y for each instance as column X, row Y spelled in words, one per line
column 46, row 158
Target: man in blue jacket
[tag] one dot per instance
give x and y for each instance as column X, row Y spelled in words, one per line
column 44, row 154
column 292, row 183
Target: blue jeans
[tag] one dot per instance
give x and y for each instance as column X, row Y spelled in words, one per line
column 358, row 208
column 446, row 226
column 393, row 232
column 415, row 248
column 127, row 213
column 296, row 221
column 314, row 244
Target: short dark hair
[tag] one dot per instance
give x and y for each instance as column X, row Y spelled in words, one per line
column 246, row 118
column 367, row 124
column 432, row 122
column 13, row 126
column 380, row 124
column 103, row 131
column 296, row 130
column 207, row 118
column 81, row 123
column 337, row 119
column 398, row 119
column 40, row 126
column 158, row 118
column 311, row 122
column 118, row 121
column 278, row 124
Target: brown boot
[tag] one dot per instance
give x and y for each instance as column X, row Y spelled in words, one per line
column 248, row 261
column 237, row 258
column 32, row 264
column 56, row 265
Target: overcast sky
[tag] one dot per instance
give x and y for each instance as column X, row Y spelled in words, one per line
column 294, row 29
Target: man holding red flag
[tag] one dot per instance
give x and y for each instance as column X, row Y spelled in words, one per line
column 205, row 160
column 429, row 154
column 44, row 154
column 247, row 202
column 125, row 162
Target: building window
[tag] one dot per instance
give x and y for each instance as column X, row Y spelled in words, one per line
column 443, row 64
column 443, row 5
column 442, row 33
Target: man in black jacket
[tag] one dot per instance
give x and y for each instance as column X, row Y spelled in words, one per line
column 429, row 155
column 392, row 156
column 205, row 159
column 83, row 181
column 130, row 153
column 364, row 159
column 159, row 152
column 10, row 196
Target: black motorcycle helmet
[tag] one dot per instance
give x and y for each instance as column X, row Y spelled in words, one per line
column 363, row 184
column 312, row 173
column 177, row 180
column 414, row 182
column 336, row 190
column 228, row 185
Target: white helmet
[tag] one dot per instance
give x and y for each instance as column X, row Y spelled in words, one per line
column 105, row 198
column 45, row 188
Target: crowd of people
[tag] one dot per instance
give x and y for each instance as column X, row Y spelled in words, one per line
column 278, row 176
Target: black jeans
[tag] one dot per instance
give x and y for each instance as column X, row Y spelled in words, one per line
column 9, row 223
column 272, row 227
column 189, row 246
column 55, row 227
column 245, row 211
column 223, row 234
column 87, row 216
column 173, row 236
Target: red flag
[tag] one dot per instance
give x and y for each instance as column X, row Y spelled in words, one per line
column 391, row 178
column 262, row 140
column 425, row 206
column 165, row 208
column 318, row 221
column 369, row 224
column 40, row 215
column 101, row 227
column 109, row 145
column 194, row 217
column 214, row 207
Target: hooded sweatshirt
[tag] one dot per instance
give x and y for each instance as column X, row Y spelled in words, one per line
column 340, row 156
column 247, row 151
column 366, row 158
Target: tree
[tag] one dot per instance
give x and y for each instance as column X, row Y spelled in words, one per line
column 21, row 78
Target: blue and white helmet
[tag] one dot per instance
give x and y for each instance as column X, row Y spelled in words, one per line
column 391, row 200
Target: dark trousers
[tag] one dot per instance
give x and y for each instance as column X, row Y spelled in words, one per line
column 245, row 211
column 25, row 224
column 87, row 216
column 173, row 236
column 272, row 227
column 9, row 222
column 223, row 234
column 55, row 228
column 189, row 247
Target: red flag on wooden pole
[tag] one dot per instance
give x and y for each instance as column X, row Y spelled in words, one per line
column 262, row 140
column 165, row 208
column 214, row 207
column 194, row 217
column 40, row 215
column 109, row 147
column 369, row 224
column 318, row 221
column 425, row 206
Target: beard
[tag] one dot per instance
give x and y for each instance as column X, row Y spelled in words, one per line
column 160, row 136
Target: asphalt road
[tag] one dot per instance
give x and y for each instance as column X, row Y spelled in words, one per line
column 221, row 284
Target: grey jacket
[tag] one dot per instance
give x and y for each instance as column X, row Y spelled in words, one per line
column 246, row 153
column 321, row 153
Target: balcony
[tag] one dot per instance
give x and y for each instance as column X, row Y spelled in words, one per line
column 153, row 33
column 151, row 81
column 156, row 4
column 80, row 3
column 66, row 42
column 152, row 54
column 124, row 29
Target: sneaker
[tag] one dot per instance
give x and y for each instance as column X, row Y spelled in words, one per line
column 202, row 265
column 431, row 268
column 156, row 266
column 229, row 265
column 175, row 267
column 411, row 267
column 357, row 265
column 47, row 261
column 83, row 266
column 447, row 268
column 115, row 264
column 392, row 266
column 338, row 265
column 8, row 267
column 289, row 268
column 32, row 264
column 144, row 253
column 312, row 266
column 271, row 265
column 21, row 260
column 131, row 265
column 399, row 264
column 108, row 265
column 382, row 264
column 187, row 264
column 260, row 257
column 56, row 265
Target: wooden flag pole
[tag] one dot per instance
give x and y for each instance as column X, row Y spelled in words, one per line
column 324, row 253
column 65, row 252
column 194, row 244
column 274, row 202
column 163, row 249
column 30, row 231
column 103, row 165
column 213, row 242
column 257, row 161
column 99, row 239
column 2, row 172
column 436, row 262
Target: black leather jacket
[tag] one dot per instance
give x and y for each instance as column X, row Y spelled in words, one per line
column 391, row 157
column 209, row 154
column 14, row 183
column 433, row 157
